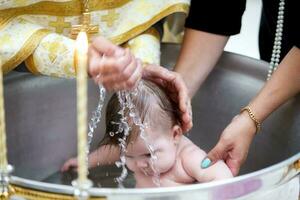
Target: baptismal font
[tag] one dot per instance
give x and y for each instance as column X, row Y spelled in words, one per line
column 5, row 169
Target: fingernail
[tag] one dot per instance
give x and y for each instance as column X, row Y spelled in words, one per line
column 205, row 163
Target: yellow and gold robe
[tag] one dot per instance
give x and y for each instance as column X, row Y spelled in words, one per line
column 38, row 31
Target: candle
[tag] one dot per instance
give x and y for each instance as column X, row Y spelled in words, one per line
column 3, row 151
column 81, row 63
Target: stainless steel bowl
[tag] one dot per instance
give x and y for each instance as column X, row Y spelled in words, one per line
column 41, row 128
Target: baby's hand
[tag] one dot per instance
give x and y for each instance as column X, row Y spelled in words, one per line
column 70, row 164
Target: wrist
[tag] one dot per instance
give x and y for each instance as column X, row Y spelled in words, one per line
column 250, row 126
column 248, row 115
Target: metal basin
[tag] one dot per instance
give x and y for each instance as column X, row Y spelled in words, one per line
column 41, row 128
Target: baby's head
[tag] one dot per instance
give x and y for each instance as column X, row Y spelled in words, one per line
column 161, row 117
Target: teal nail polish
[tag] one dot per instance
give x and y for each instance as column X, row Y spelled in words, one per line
column 205, row 163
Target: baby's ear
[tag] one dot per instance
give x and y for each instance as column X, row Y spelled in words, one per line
column 176, row 132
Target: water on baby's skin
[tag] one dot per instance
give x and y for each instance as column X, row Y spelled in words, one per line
column 126, row 103
column 138, row 122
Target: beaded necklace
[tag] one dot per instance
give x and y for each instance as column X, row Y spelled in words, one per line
column 275, row 58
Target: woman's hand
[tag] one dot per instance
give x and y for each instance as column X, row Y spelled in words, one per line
column 113, row 66
column 175, row 89
column 70, row 164
column 234, row 143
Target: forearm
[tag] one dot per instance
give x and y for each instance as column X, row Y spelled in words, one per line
column 284, row 84
column 104, row 155
column 199, row 54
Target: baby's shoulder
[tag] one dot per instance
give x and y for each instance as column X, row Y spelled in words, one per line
column 190, row 149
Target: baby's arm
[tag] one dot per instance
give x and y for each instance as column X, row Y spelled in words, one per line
column 191, row 159
column 104, row 155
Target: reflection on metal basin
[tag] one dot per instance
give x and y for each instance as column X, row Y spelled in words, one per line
column 41, row 128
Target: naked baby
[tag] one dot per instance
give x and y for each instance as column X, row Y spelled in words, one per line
column 178, row 159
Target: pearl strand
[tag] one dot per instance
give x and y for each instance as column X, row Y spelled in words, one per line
column 275, row 58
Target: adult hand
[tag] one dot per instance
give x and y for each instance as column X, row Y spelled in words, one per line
column 113, row 66
column 175, row 88
column 233, row 145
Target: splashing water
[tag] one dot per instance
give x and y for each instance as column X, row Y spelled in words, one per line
column 124, row 98
column 123, row 126
column 95, row 119
column 138, row 122
column 126, row 102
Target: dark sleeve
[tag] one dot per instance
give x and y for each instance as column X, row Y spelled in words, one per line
column 296, row 38
column 292, row 9
column 221, row 17
column 297, row 43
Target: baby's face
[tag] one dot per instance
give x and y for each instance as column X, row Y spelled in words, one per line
column 164, row 148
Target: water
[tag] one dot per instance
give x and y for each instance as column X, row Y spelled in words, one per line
column 123, row 126
column 138, row 122
column 102, row 176
column 95, row 119
column 125, row 101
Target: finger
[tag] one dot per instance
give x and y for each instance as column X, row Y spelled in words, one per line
column 128, row 81
column 136, row 76
column 154, row 71
column 104, row 46
column 214, row 155
column 187, row 123
column 111, row 66
column 234, row 165
column 112, row 81
column 161, row 76
column 94, row 60
column 129, row 70
column 189, row 126
column 236, row 158
column 133, row 79
column 184, row 99
column 158, row 81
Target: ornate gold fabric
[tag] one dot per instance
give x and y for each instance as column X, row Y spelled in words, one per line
column 146, row 46
column 38, row 31
column 31, row 194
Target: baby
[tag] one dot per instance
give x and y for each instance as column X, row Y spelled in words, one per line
column 177, row 158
